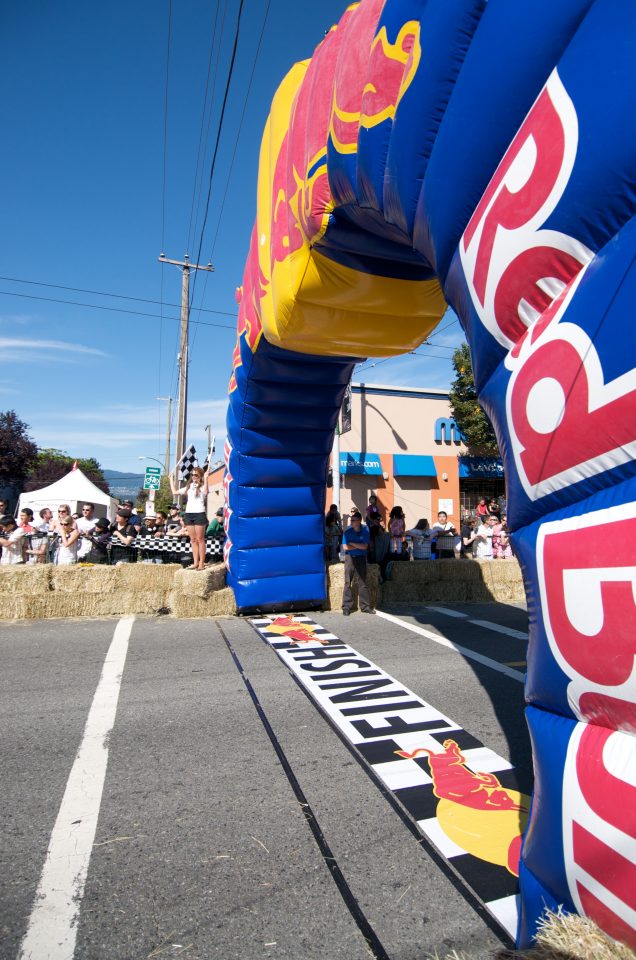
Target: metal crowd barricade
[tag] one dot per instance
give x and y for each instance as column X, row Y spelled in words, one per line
column 446, row 546
column 43, row 543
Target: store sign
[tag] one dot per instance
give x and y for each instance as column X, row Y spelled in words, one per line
column 447, row 431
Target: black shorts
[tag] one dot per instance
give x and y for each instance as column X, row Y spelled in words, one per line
column 195, row 520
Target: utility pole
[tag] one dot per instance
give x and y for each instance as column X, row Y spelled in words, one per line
column 182, row 409
column 167, row 457
column 208, row 430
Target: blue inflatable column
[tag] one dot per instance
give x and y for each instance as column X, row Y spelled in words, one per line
column 280, row 426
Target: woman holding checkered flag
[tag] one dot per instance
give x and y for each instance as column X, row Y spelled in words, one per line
column 195, row 519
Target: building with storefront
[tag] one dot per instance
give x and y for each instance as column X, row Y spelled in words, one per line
column 405, row 447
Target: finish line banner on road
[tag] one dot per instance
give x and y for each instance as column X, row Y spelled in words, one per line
column 463, row 797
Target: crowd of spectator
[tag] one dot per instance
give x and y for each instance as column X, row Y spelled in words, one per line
column 483, row 534
column 64, row 538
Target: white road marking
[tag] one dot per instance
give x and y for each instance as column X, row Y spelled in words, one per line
column 488, row 624
column 54, row 920
column 498, row 628
column 464, row 651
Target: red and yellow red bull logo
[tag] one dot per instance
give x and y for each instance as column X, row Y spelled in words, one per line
column 294, row 631
column 475, row 811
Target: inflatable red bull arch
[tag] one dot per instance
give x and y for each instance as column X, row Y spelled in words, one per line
column 480, row 154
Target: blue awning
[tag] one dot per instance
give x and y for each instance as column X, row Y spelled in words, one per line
column 412, row 465
column 480, row 468
column 361, row 464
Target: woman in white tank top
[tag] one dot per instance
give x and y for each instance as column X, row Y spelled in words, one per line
column 195, row 519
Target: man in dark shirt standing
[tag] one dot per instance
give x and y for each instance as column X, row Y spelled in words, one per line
column 355, row 542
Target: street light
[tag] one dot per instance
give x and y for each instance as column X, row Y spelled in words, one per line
column 152, row 458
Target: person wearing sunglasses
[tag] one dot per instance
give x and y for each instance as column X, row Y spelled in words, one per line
column 68, row 538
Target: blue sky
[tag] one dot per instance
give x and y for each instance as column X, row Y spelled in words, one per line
column 84, row 207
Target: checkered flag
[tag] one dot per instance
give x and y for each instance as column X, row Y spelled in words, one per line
column 186, row 465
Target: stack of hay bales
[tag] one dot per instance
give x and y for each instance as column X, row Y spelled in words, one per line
column 22, row 589
column 201, row 593
column 467, row 581
column 335, row 586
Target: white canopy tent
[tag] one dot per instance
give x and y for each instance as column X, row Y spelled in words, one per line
column 75, row 489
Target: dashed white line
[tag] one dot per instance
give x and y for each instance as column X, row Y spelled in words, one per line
column 52, row 928
column 488, row 624
column 464, row 651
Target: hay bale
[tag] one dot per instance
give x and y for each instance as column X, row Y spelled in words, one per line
column 117, row 603
column 11, row 606
column 146, row 576
column 413, row 571
column 200, row 583
column 413, row 592
column 577, row 938
column 460, row 570
column 218, row 604
column 26, row 579
column 77, row 578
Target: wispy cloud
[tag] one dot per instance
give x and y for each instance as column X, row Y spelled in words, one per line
column 15, row 319
column 31, row 350
column 126, row 426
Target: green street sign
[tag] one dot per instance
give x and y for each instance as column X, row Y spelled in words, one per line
column 152, row 478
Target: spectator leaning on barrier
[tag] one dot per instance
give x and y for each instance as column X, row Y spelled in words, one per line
column 123, row 532
column 160, row 524
column 355, row 541
column 421, row 538
column 467, row 534
column 174, row 524
column 66, row 552
column 12, row 541
column 451, row 544
column 135, row 519
column 85, row 525
column 98, row 538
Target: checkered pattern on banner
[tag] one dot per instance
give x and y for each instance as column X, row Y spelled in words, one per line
column 213, row 545
column 186, row 465
column 448, row 798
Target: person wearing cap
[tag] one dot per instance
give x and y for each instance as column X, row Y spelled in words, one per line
column 134, row 519
column 355, row 542
column 12, row 541
column 215, row 526
column 122, row 533
column 98, row 538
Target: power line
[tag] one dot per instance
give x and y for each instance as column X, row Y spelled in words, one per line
column 163, row 187
column 96, row 306
column 236, row 143
column 203, row 124
column 218, row 137
column 104, row 293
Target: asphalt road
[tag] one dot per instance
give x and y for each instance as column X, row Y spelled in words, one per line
column 202, row 846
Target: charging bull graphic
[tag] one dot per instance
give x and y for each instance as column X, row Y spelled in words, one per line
column 475, row 811
column 479, row 155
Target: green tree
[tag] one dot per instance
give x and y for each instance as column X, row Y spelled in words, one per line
column 17, row 451
column 471, row 419
column 51, row 464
